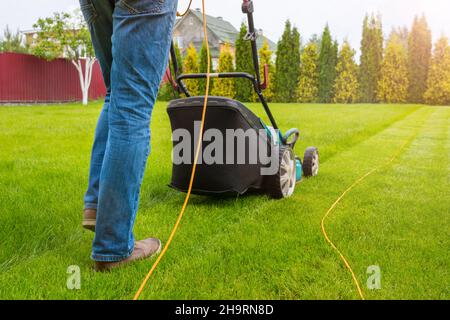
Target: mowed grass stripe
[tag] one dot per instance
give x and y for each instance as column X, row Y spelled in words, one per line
column 398, row 219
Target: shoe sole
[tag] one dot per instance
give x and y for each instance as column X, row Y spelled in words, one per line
column 89, row 224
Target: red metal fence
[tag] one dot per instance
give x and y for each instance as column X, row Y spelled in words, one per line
column 26, row 78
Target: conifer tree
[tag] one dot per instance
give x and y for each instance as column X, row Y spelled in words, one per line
column 308, row 86
column 317, row 40
column 287, row 65
column 327, row 66
column 402, row 33
column 295, row 64
column 371, row 59
column 282, row 60
column 419, row 58
column 225, row 87
column 244, row 63
column 346, row 85
column 191, row 66
column 393, row 85
column 179, row 58
column 438, row 92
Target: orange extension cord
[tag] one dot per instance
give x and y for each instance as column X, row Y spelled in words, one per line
column 324, row 231
column 197, row 154
column 187, row 10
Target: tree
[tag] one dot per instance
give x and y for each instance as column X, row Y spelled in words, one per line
column 419, row 58
column 402, row 33
column 308, row 86
column 265, row 58
column 327, row 66
column 371, row 59
column 393, row 85
column 287, row 65
column 244, row 63
column 295, row 63
column 167, row 93
column 346, row 85
column 179, row 59
column 438, row 92
column 13, row 42
column 191, row 66
column 317, row 40
column 204, row 68
column 66, row 35
column 225, row 87
column 282, row 65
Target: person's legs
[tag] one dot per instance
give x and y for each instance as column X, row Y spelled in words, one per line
column 142, row 32
column 98, row 15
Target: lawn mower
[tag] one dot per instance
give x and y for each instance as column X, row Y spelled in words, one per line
column 225, row 115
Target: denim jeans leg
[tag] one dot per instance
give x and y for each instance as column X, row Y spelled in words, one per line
column 141, row 40
column 98, row 15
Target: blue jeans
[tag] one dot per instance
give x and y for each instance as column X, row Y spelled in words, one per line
column 131, row 39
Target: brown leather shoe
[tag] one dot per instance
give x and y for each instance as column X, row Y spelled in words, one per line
column 143, row 249
column 89, row 219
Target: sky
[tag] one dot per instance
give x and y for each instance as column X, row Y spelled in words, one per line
column 343, row 16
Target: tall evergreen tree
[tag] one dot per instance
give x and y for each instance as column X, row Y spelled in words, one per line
column 371, row 59
column 393, row 85
column 191, row 66
column 244, row 63
column 419, row 58
column 225, row 87
column 282, row 67
column 295, row 63
column 317, row 40
column 438, row 92
column 308, row 86
column 346, row 85
column 203, row 68
column 364, row 80
column 402, row 33
column 179, row 58
column 327, row 66
column 287, row 65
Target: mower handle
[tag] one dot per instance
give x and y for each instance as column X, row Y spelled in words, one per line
column 243, row 75
column 219, row 75
column 248, row 9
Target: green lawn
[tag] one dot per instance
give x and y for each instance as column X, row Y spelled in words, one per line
column 245, row 248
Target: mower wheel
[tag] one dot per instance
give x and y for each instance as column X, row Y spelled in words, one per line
column 311, row 162
column 282, row 184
